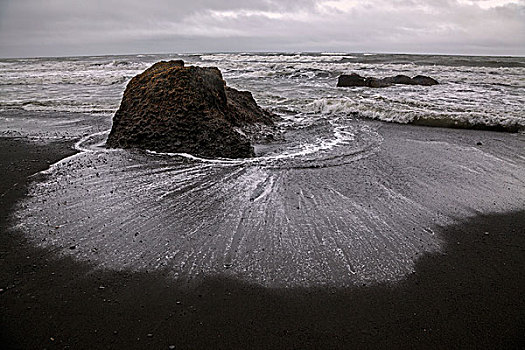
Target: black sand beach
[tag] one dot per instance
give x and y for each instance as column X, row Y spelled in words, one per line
column 470, row 296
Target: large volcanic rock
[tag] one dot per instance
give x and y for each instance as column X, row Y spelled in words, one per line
column 357, row 80
column 178, row 109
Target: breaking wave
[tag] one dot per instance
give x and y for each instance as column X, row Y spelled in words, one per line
column 457, row 119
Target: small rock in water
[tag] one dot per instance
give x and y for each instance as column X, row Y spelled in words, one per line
column 357, row 80
column 150, row 335
column 171, row 347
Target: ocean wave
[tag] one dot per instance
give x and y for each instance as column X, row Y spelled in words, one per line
column 79, row 78
column 90, row 71
column 456, row 121
column 475, row 94
column 333, row 54
column 61, row 106
column 420, row 115
column 305, row 72
column 443, row 60
column 53, row 125
column 327, row 106
column 277, row 58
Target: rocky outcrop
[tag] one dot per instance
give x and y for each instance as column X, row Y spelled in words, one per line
column 178, row 109
column 357, row 80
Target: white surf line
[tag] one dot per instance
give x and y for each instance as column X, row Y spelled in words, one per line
column 203, row 160
column 314, row 148
column 78, row 147
column 321, row 145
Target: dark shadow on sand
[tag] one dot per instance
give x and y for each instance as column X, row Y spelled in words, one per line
column 471, row 296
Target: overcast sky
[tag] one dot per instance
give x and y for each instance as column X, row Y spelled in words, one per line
column 91, row 27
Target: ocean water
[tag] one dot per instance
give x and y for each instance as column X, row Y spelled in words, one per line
column 484, row 90
column 343, row 200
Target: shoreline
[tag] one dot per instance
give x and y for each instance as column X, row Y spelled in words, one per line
column 467, row 297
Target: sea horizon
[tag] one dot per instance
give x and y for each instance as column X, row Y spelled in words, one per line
column 270, row 52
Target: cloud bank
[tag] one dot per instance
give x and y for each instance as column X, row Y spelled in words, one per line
column 79, row 27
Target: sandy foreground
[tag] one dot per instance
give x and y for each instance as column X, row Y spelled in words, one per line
column 468, row 296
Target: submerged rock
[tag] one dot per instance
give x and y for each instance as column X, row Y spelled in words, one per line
column 357, row 80
column 178, row 109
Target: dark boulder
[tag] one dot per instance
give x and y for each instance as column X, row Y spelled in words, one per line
column 178, row 109
column 351, row 80
column 357, row 80
column 423, row 80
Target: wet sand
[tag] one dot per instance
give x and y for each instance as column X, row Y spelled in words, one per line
column 469, row 296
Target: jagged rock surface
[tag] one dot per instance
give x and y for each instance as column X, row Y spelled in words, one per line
column 178, row 109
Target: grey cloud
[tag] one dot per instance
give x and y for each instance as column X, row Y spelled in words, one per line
column 64, row 27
